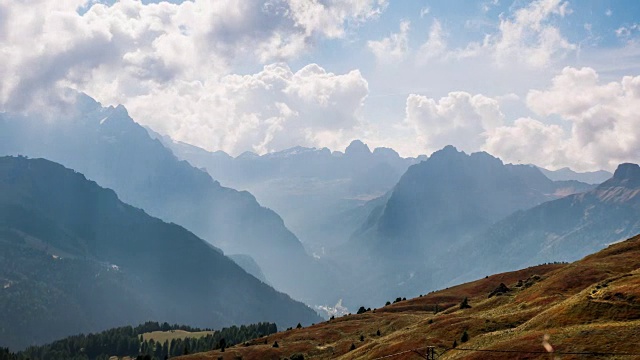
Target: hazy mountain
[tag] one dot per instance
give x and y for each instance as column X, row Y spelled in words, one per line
column 107, row 146
column 249, row 265
column 592, row 177
column 74, row 258
column 569, row 228
column 308, row 187
column 437, row 206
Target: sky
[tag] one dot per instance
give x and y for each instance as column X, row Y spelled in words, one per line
column 549, row 82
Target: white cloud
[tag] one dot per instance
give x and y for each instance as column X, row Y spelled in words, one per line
column 602, row 118
column 459, row 119
column 393, row 48
column 435, row 44
column 134, row 48
column 527, row 36
column 424, row 11
column 529, row 141
column 584, row 123
column 270, row 110
column 605, row 128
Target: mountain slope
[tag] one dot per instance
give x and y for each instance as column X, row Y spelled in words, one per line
column 587, row 306
column 110, row 148
column 306, row 186
column 77, row 259
column 568, row 228
column 437, row 207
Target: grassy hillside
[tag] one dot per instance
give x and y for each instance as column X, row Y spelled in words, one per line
column 588, row 306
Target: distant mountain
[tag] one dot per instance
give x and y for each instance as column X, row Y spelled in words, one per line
column 308, row 187
column 566, row 229
column 75, row 259
column 439, row 205
column 107, row 146
column 593, row 177
column 249, row 265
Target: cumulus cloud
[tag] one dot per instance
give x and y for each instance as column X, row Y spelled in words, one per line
column 47, row 42
column 584, row 123
column 459, row 119
column 605, row 128
column 528, row 36
column 129, row 51
column 529, row 141
column 273, row 109
column 393, row 48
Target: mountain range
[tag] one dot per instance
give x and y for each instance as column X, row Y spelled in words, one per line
column 76, row 259
column 107, row 146
column 565, row 229
column 378, row 225
column 413, row 238
column 308, row 187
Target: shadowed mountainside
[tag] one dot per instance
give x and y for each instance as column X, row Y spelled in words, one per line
column 106, row 145
column 75, row 259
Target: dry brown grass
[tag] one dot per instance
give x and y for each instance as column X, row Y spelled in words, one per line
column 590, row 305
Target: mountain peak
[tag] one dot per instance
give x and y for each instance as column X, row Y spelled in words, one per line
column 447, row 152
column 627, row 174
column 357, row 147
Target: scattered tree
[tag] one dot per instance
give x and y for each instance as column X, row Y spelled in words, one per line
column 465, row 303
column 465, row 337
column 353, row 347
column 275, row 345
column 455, row 344
column 299, row 326
column 361, row 338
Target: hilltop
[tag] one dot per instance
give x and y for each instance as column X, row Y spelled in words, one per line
column 586, row 306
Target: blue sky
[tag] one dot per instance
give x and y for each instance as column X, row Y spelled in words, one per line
column 550, row 82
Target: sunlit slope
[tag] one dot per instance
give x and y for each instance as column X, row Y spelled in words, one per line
column 587, row 306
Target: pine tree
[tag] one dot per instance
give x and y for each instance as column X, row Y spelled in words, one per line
column 465, row 337
column 465, row 303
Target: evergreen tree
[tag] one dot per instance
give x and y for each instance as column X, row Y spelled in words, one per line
column 465, row 303
column 465, row 337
